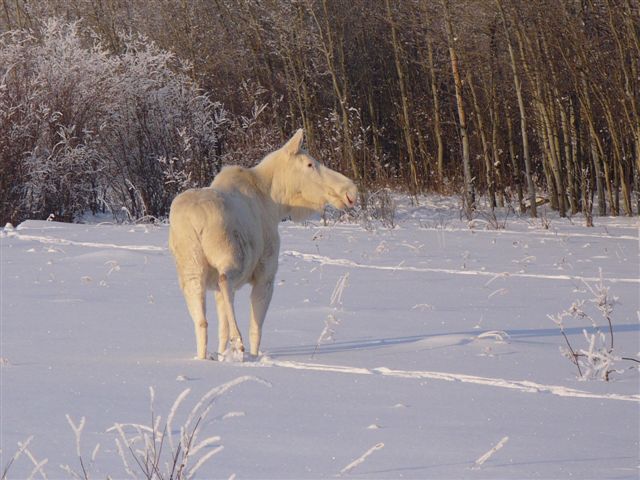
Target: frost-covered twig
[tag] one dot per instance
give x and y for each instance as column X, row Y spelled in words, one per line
column 361, row 458
column 77, row 430
column 603, row 302
column 499, row 336
column 204, row 404
column 123, row 458
column 37, row 466
column 21, row 448
column 500, row 291
column 172, row 414
column 338, row 290
column 203, row 459
column 480, row 461
column 558, row 319
column 327, row 332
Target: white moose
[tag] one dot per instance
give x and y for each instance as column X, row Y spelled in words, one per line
column 226, row 236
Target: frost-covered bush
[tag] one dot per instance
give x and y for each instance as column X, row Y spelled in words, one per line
column 82, row 129
column 162, row 132
column 250, row 137
column 595, row 360
column 168, row 448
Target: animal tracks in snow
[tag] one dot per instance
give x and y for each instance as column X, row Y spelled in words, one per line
column 343, row 262
column 542, row 234
column 62, row 241
column 324, row 260
column 520, row 385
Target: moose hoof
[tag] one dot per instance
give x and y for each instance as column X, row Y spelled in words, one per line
column 235, row 352
column 207, row 356
column 250, row 357
column 236, row 344
column 232, row 355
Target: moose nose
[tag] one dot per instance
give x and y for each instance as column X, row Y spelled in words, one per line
column 350, row 201
column 351, row 195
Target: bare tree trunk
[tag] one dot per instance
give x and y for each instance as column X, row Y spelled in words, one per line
column 523, row 117
column 587, row 195
column 515, row 164
column 567, row 142
column 7, row 15
column 573, row 132
column 601, row 166
column 547, row 164
column 375, row 132
column 491, row 192
column 544, row 100
column 339, row 87
column 630, row 112
column 597, row 173
column 554, row 159
column 633, row 39
column 618, row 165
column 462, row 120
column 295, row 73
column 495, row 152
column 406, row 120
column 437, row 128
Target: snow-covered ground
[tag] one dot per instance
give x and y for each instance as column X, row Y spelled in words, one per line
column 437, row 348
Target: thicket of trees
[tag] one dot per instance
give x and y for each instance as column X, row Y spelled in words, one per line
column 508, row 99
column 82, row 129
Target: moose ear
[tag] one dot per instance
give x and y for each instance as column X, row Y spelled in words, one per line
column 294, row 143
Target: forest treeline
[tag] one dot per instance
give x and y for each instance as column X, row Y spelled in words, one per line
column 115, row 105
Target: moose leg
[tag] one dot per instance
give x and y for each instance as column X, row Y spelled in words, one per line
column 193, row 290
column 260, row 298
column 237, row 347
column 223, row 323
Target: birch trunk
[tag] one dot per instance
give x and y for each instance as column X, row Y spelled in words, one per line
column 437, row 129
column 469, row 194
column 523, row 116
column 485, row 147
column 406, row 119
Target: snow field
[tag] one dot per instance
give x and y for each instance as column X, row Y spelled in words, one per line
column 441, row 347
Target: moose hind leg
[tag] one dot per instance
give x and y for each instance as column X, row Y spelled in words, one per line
column 194, row 292
column 235, row 338
column 223, row 323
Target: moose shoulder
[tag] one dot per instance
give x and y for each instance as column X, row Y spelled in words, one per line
column 226, row 235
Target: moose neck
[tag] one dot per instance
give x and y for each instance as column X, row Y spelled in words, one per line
column 267, row 174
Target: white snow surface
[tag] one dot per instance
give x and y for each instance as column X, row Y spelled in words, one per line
column 438, row 347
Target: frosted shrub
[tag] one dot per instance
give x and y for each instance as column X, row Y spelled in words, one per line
column 156, row 452
column 82, row 129
column 249, row 137
column 48, row 103
column 378, row 206
column 595, row 360
column 162, row 133
column 63, row 180
column 174, row 447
